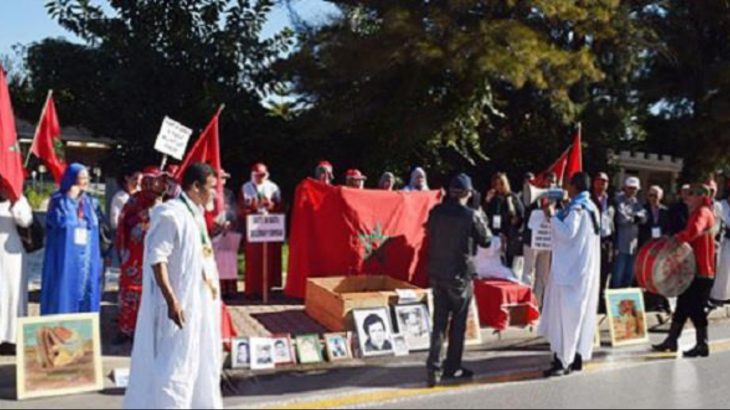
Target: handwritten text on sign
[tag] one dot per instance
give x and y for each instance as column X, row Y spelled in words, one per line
column 542, row 236
column 266, row 228
column 173, row 138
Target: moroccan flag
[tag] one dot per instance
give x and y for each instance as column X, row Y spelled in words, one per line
column 338, row 231
column 12, row 173
column 569, row 164
column 207, row 150
column 47, row 144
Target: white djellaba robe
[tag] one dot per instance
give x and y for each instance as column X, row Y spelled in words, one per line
column 571, row 300
column 174, row 368
column 721, row 289
column 13, row 274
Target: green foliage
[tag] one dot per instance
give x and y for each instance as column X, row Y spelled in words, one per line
column 37, row 197
column 146, row 59
column 447, row 84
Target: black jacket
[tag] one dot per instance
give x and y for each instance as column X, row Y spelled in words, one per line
column 453, row 233
column 678, row 218
column 645, row 230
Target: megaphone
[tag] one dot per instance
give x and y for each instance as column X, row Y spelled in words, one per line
column 535, row 194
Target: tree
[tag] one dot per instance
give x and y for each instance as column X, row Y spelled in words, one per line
column 687, row 84
column 447, row 83
column 151, row 58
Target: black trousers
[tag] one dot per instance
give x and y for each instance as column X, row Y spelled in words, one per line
column 692, row 304
column 451, row 310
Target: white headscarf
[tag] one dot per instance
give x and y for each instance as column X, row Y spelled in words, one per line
column 418, row 172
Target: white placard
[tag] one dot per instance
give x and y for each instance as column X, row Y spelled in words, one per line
column 266, row 228
column 542, row 236
column 173, row 138
column 121, row 378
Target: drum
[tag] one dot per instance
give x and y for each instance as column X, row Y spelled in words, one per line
column 666, row 267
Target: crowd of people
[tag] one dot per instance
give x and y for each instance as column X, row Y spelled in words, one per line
column 162, row 224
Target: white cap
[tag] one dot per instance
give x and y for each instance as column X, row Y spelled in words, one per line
column 632, row 182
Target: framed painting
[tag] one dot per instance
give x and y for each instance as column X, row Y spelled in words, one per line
column 627, row 317
column 58, row 355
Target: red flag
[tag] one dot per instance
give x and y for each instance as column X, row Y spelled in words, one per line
column 207, row 150
column 569, row 164
column 338, row 231
column 575, row 158
column 12, row 173
column 47, row 144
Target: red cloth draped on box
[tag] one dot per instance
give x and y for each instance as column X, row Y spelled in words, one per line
column 503, row 304
column 339, row 231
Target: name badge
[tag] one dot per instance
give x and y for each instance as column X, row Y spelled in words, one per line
column 81, row 236
column 497, row 222
column 606, row 226
column 656, row 233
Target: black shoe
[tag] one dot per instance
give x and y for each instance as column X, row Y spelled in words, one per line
column 668, row 346
column 433, row 379
column 558, row 370
column 577, row 365
column 698, row 351
column 461, row 374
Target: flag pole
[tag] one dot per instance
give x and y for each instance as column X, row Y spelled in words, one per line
column 37, row 128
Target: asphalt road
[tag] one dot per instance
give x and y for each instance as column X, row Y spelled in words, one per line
column 658, row 385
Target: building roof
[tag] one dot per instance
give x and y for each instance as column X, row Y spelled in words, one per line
column 79, row 135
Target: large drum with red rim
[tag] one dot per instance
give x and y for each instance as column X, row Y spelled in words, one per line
column 666, row 267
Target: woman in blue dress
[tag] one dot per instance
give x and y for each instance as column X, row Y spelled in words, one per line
column 72, row 267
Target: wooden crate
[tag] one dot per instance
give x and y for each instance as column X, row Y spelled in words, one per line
column 330, row 301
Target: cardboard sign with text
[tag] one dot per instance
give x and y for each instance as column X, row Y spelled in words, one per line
column 542, row 236
column 266, row 228
column 173, row 138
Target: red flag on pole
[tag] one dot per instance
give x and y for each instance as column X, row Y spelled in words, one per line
column 47, row 144
column 569, row 164
column 12, row 173
column 575, row 157
column 207, row 150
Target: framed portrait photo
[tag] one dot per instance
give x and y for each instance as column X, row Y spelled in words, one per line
column 262, row 353
column 338, row 347
column 414, row 324
column 241, row 353
column 284, row 354
column 627, row 317
column 374, row 331
column 309, row 349
column 400, row 345
column 58, row 355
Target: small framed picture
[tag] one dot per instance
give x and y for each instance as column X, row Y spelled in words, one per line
column 241, row 353
column 309, row 349
column 375, row 332
column 400, row 345
column 627, row 317
column 262, row 353
column 338, row 347
column 414, row 325
column 284, row 354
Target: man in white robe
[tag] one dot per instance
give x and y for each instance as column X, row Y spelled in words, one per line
column 13, row 275
column 571, row 299
column 176, row 361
